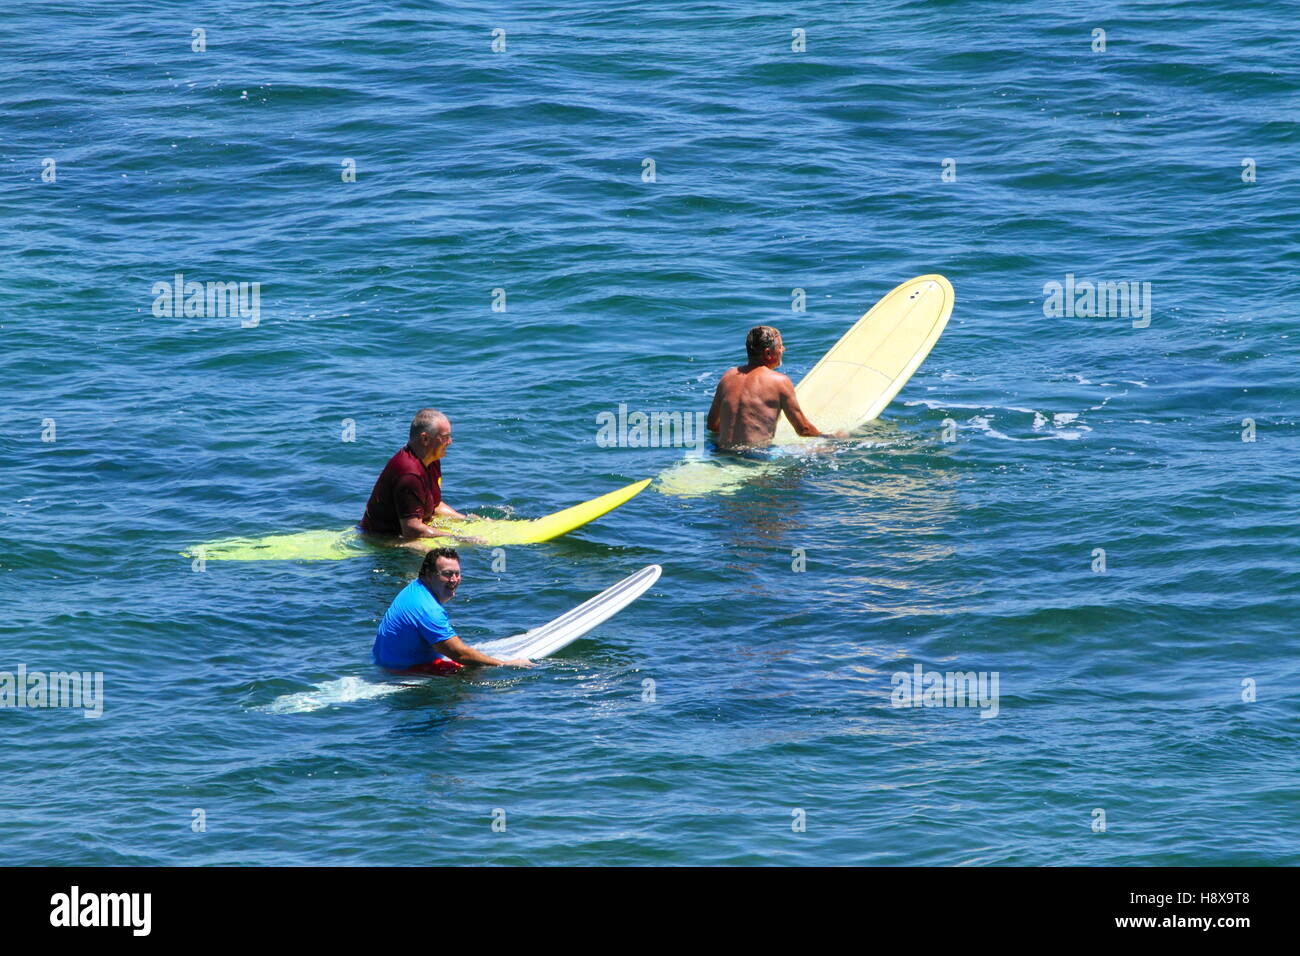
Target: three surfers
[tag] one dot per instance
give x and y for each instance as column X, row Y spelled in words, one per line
column 415, row 634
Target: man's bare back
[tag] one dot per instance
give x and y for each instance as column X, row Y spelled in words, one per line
column 750, row 398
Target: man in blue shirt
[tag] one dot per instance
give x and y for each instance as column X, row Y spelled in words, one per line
column 415, row 634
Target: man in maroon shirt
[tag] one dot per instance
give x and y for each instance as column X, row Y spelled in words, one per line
column 409, row 490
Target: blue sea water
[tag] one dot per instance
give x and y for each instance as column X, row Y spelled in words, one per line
column 1147, row 709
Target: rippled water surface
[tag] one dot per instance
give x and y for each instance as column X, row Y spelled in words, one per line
column 1160, row 690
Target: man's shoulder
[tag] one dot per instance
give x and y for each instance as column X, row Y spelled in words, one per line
column 416, row 595
column 403, row 464
column 411, row 593
column 779, row 379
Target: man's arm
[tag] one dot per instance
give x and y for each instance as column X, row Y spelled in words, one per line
column 462, row 653
column 794, row 414
column 444, row 510
column 413, row 528
column 410, row 507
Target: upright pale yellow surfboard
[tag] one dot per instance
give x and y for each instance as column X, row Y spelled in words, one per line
column 865, row 369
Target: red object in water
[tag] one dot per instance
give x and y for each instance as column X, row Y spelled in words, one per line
column 443, row 665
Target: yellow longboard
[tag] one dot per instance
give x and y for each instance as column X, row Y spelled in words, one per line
column 873, row 360
column 487, row 532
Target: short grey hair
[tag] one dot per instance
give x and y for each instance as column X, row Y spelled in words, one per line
column 427, row 420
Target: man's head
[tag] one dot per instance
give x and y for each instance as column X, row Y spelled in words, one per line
column 440, row 573
column 763, row 345
column 430, row 434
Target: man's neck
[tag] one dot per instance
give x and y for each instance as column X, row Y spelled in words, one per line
column 418, row 456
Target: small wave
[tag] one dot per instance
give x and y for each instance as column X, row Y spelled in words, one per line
column 1059, row 420
column 983, row 423
column 944, row 406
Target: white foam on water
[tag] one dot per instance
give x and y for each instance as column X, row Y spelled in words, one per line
column 944, row 406
column 345, row 690
column 983, row 423
column 1040, row 421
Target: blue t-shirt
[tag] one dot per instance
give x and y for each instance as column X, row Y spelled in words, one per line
column 412, row 625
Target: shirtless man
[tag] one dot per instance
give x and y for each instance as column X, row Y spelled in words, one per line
column 750, row 398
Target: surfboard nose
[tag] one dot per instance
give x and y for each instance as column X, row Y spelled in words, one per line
column 930, row 285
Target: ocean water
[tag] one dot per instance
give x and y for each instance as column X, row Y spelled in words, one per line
column 1068, row 502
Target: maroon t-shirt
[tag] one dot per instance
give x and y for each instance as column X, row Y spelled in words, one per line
column 405, row 489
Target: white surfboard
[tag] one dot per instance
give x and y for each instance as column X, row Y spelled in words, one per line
column 564, row 630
